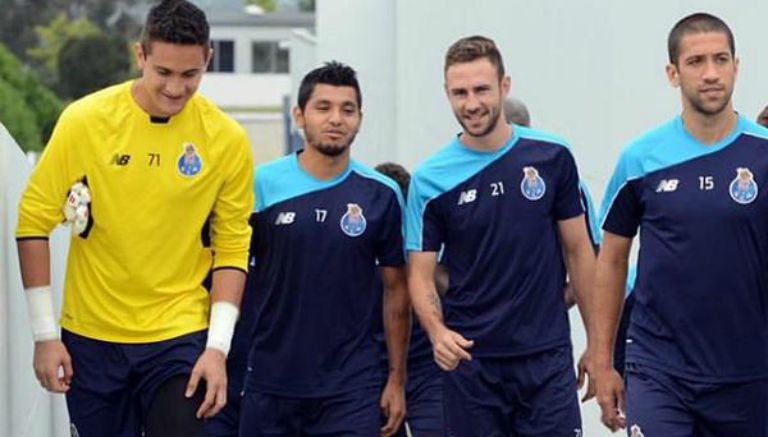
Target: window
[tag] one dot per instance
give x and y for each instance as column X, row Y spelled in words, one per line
column 269, row 57
column 223, row 60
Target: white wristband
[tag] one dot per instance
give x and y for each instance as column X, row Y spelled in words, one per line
column 41, row 316
column 223, row 318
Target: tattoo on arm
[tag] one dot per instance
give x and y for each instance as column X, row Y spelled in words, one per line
column 434, row 301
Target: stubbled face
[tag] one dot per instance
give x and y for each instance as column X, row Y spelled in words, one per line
column 476, row 95
column 705, row 72
column 171, row 74
column 330, row 119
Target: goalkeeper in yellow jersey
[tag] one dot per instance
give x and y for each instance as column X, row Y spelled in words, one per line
column 156, row 183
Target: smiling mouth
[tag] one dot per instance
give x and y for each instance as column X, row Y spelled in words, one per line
column 475, row 118
column 173, row 98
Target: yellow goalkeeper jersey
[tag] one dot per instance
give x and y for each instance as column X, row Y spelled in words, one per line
column 170, row 201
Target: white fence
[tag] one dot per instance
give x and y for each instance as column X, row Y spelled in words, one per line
column 26, row 410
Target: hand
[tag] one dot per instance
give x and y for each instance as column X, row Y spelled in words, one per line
column 392, row 406
column 211, row 366
column 609, row 391
column 582, row 368
column 50, row 356
column 449, row 347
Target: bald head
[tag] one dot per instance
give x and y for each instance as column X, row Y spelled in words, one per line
column 762, row 119
column 516, row 112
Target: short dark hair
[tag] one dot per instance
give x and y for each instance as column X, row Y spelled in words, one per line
column 331, row 73
column 472, row 48
column 396, row 172
column 176, row 22
column 699, row 22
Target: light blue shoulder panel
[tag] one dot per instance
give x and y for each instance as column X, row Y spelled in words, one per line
column 667, row 145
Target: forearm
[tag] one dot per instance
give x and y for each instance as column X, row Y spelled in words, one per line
column 426, row 304
column 226, row 293
column 34, row 262
column 609, row 292
column 397, row 326
column 580, row 263
column 227, row 285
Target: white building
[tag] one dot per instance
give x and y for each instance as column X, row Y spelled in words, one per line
column 249, row 74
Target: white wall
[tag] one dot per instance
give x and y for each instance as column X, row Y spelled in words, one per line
column 589, row 70
column 266, row 135
column 256, row 102
column 26, row 410
column 362, row 34
column 303, row 55
column 234, row 91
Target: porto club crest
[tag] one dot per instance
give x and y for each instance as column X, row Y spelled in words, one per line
column 189, row 163
column 532, row 186
column 353, row 223
column 743, row 188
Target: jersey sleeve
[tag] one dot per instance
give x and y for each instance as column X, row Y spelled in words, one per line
column 568, row 196
column 40, row 208
column 424, row 229
column 389, row 244
column 230, row 230
column 621, row 210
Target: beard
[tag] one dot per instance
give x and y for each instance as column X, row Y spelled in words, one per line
column 493, row 120
column 329, row 149
column 700, row 106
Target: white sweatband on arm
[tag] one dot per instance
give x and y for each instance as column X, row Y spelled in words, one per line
column 41, row 316
column 223, row 318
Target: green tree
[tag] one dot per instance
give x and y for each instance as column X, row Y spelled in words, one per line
column 27, row 108
column 92, row 62
column 45, row 56
column 18, row 118
column 19, row 18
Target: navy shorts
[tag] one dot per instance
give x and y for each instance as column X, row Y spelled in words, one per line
column 533, row 395
column 114, row 383
column 351, row 414
column 227, row 422
column 659, row 404
column 424, row 404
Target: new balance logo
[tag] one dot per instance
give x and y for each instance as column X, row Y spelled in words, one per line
column 468, row 196
column 285, row 218
column 121, row 160
column 667, row 185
